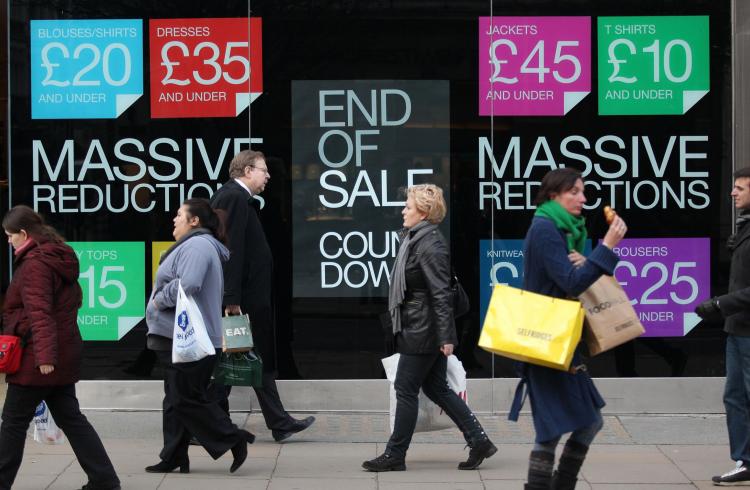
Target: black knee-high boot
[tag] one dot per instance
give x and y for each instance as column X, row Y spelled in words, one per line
column 572, row 457
column 540, row 470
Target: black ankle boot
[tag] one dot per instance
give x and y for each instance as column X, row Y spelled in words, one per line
column 169, row 467
column 239, row 450
column 571, row 459
column 540, row 470
column 481, row 446
column 479, row 452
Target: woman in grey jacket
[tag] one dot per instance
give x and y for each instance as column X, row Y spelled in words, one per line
column 195, row 262
column 421, row 306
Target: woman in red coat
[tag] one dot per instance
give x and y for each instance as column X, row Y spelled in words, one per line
column 40, row 306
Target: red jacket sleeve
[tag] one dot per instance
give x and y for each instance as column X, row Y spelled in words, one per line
column 37, row 296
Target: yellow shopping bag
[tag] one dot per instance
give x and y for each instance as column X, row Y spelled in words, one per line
column 532, row 327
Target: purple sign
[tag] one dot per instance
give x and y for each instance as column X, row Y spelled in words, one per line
column 533, row 66
column 665, row 278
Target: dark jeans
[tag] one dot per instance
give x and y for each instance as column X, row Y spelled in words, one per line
column 427, row 371
column 188, row 408
column 18, row 411
column 737, row 396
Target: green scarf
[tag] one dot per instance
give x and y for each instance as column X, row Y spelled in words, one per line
column 573, row 226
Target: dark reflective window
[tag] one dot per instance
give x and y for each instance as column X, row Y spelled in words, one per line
column 64, row 164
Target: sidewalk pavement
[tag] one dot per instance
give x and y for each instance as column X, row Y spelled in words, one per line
column 638, row 452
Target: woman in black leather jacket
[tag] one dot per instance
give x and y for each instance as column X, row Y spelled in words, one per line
column 421, row 310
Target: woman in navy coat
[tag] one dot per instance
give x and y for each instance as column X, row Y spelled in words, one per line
column 562, row 402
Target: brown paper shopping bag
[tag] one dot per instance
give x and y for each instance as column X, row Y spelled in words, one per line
column 610, row 318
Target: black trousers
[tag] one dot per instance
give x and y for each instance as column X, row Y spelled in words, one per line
column 189, row 408
column 18, row 411
column 274, row 413
column 427, row 371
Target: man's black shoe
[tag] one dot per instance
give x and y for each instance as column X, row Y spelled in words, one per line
column 477, row 454
column 740, row 474
column 384, row 462
column 298, row 426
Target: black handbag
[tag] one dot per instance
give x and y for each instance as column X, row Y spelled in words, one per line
column 460, row 298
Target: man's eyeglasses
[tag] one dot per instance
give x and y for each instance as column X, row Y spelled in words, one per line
column 262, row 169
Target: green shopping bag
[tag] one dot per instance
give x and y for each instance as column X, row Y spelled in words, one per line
column 239, row 369
column 236, row 333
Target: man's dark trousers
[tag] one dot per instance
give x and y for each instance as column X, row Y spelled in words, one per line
column 737, row 396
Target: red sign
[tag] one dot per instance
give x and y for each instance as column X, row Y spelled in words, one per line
column 204, row 67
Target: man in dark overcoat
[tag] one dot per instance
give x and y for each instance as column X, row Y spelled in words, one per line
column 734, row 307
column 248, row 278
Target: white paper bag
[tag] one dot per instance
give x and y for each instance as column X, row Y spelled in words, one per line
column 46, row 430
column 190, row 341
column 430, row 416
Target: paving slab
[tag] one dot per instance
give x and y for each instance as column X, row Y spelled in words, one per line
column 202, row 483
column 74, row 480
column 688, row 429
column 46, row 464
column 699, row 462
column 35, row 482
column 642, row 486
column 630, row 464
column 432, row 486
column 283, row 483
column 324, row 460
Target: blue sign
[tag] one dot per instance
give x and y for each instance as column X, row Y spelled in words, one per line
column 501, row 262
column 85, row 69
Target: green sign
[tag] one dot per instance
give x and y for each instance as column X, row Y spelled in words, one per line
column 112, row 278
column 652, row 65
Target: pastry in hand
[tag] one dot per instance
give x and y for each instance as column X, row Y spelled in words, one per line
column 609, row 214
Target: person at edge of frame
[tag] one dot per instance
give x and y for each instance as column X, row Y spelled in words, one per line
column 734, row 309
column 562, row 401
column 41, row 307
column 248, row 282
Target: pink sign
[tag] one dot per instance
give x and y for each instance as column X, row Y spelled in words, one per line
column 533, row 66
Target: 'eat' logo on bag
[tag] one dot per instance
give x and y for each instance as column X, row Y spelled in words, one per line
column 183, row 321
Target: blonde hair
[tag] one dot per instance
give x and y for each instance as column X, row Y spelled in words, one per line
column 429, row 199
column 242, row 160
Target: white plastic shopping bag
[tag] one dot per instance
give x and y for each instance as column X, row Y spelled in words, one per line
column 190, row 341
column 430, row 416
column 46, row 430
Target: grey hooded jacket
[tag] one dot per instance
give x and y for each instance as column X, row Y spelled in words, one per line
column 196, row 263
